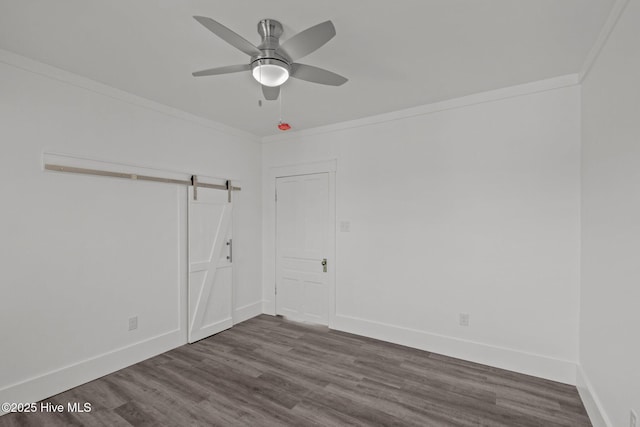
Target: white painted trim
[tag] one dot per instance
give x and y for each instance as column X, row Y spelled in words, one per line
column 590, row 399
column 247, row 312
column 331, row 244
column 48, row 71
column 465, row 101
column 183, row 276
column 321, row 166
column 500, row 357
column 65, row 378
column 608, row 27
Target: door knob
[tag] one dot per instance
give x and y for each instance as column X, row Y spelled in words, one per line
column 324, row 265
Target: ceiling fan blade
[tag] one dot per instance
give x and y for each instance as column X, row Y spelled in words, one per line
column 222, row 70
column 229, row 36
column 317, row 75
column 307, row 41
column 270, row 93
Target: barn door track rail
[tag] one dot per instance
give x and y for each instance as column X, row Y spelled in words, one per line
column 194, row 182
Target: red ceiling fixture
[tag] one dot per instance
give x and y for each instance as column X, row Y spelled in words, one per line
column 284, row 126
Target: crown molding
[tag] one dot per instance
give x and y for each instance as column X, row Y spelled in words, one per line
column 610, row 24
column 48, row 71
column 479, row 98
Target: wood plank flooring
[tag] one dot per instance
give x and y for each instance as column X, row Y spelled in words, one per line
column 271, row 372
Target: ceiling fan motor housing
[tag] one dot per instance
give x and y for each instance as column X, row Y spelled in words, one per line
column 268, row 61
column 270, row 30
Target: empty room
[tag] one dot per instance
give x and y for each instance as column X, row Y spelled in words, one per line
column 281, row 213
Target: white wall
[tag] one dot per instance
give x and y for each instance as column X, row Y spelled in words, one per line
column 456, row 208
column 610, row 308
column 81, row 254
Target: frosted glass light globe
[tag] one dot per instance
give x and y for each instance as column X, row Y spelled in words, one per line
column 270, row 74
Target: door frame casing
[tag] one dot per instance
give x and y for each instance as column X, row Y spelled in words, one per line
column 269, row 246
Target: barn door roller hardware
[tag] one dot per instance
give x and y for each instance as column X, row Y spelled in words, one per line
column 191, row 182
column 194, row 183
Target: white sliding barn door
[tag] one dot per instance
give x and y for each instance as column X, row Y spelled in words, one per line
column 302, row 231
column 210, row 273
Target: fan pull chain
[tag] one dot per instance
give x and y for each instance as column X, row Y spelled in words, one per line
column 280, row 101
column 259, row 91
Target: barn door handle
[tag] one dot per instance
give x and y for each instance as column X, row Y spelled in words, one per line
column 324, row 265
column 230, row 244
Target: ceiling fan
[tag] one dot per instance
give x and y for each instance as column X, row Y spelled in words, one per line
column 271, row 63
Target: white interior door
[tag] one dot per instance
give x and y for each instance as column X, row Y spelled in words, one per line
column 302, row 230
column 210, row 258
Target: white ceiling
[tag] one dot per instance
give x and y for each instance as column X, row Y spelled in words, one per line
column 396, row 54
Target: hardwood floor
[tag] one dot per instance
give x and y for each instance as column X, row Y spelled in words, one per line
column 272, row 372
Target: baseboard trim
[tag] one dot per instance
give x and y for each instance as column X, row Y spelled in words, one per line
column 590, row 400
column 59, row 380
column 246, row 312
column 563, row 371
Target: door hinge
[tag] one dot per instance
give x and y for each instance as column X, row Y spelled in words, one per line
column 276, row 288
column 276, row 196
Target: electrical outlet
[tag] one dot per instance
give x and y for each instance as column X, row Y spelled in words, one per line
column 633, row 419
column 133, row 323
column 464, row 319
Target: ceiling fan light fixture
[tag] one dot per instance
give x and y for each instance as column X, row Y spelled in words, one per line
column 271, row 63
column 270, row 72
